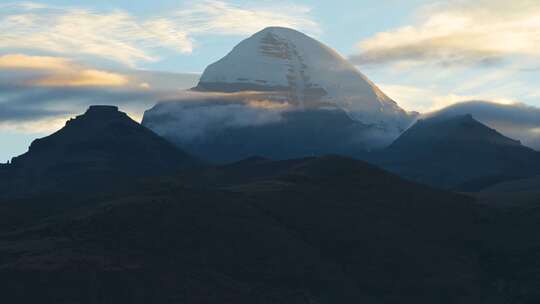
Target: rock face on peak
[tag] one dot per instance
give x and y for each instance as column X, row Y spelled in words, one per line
column 91, row 150
column 458, row 152
column 310, row 74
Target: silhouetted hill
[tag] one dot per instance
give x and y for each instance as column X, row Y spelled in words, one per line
column 314, row 230
column 101, row 147
column 458, row 152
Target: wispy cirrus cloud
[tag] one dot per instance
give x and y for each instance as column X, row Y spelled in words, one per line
column 460, row 32
column 119, row 36
column 115, row 35
column 220, row 17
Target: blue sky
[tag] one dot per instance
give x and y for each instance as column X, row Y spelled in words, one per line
column 339, row 26
column 56, row 57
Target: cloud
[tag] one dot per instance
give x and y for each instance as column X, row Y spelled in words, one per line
column 38, row 93
column 31, row 70
column 441, row 102
column 21, row 61
column 267, row 104
column 460, row 32
column 113, row 35
column 31, row 121
column 198, row 116
column 121, row 37
column 60, row 72
column 8, row 114
column 516, row 120
column 220, row 17
column 84, row 78
column 424, row 100
column 23, row 108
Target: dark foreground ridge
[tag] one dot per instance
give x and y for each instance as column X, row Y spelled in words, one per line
column 313, row 230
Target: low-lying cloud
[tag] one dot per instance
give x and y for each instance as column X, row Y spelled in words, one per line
column 197, row 116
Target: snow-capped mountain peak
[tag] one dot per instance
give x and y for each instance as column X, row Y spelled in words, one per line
column 309, row 73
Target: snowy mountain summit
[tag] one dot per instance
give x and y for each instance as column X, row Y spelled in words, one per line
column 279, row 94
column 307, row 72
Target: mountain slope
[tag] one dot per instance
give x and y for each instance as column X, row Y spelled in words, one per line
column 90, row 151
column 458, row 151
